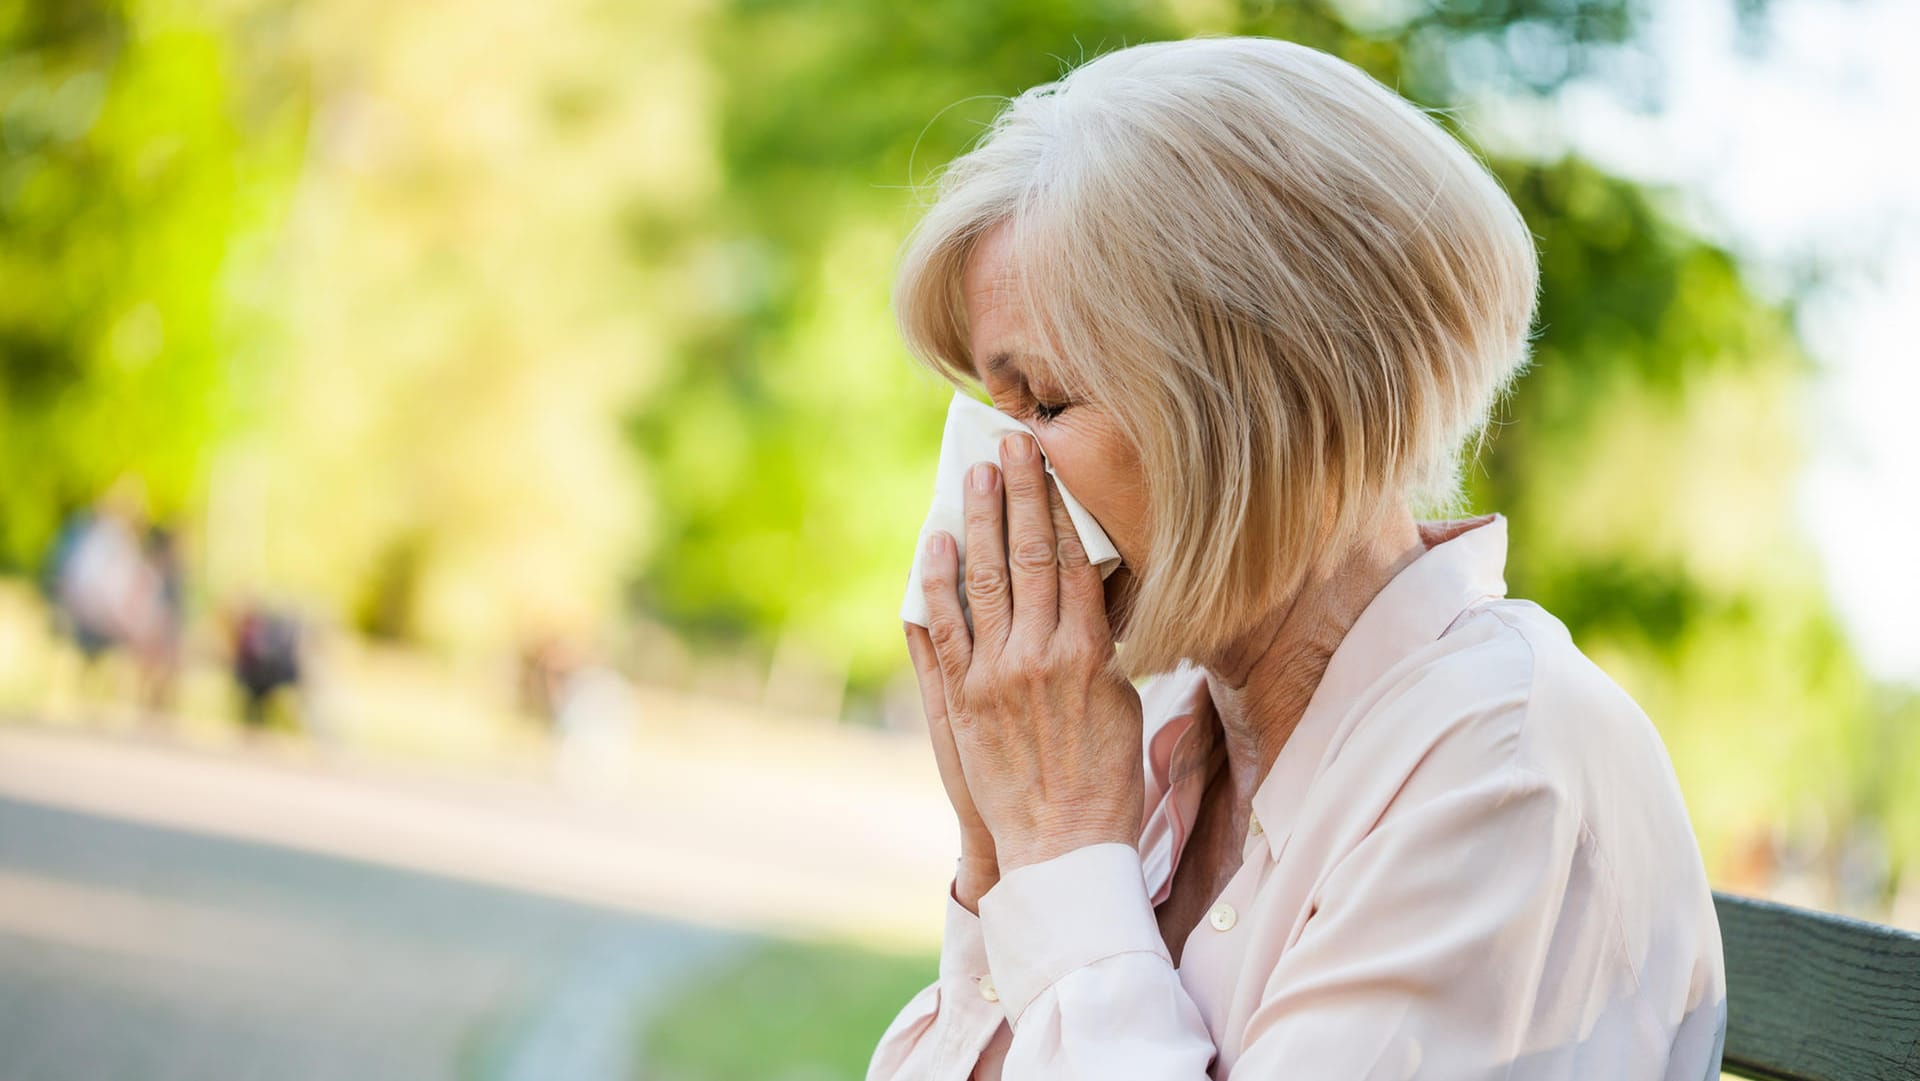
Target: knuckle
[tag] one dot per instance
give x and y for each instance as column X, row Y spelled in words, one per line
column 1035, row 667
column 1027, row 482
column 984, row 577
column 1033, row 554
column 946, row 633
column 1072, row 552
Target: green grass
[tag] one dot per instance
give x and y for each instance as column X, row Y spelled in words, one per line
column 785, row 1011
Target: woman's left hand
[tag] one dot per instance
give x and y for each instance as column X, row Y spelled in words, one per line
column 1048, row 730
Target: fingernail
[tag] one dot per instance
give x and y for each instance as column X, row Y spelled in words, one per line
column 981, row 478
column 1018, row 447
column 936, row 545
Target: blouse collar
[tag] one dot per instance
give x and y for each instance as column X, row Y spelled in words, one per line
column 1464, row 563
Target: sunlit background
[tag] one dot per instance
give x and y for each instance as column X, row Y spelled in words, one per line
column 460, row 475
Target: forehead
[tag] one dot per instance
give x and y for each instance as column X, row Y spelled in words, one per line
column 997, row 323
column 990, row 267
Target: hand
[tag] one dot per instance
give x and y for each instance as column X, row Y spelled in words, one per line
column 979, row 868
column 1046, row 728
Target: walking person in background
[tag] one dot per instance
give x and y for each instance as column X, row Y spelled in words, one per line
column 1368, row 817
column 106, row 592
column 265, row 651
column 589, row 705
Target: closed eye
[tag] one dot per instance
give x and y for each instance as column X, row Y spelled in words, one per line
column 1047, row 412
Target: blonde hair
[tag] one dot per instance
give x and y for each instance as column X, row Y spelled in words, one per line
column 1295, row 293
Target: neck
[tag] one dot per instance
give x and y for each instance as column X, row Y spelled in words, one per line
column 1260, row 683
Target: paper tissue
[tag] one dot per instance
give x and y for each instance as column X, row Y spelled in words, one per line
column 973, row 433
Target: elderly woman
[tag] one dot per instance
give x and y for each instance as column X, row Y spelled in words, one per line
column 1366, row 816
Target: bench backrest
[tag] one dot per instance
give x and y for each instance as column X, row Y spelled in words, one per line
column 1816, row 997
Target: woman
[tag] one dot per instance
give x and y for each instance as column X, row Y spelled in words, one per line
column 1369, row 818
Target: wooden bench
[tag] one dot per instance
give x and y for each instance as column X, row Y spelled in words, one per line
column 1816, row 997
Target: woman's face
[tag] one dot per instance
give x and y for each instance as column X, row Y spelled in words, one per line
column 1087, row 451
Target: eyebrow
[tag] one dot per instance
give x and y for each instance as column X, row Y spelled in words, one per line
column 1005, row 358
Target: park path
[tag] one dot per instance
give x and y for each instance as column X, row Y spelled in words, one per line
column 170, row 912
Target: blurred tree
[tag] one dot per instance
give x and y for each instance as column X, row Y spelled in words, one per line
column 438, row 456
column 135, row 152
column 349, row 285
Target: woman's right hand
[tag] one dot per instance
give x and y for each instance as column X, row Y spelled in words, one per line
column 979, row 867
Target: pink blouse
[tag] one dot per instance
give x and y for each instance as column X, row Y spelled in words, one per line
column 1470, row 860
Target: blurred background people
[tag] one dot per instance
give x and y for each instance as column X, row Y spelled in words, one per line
column 590, row 708
column 114, row 582
column 265, row 649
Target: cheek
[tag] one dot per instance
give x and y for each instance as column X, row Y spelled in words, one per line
column 1105, row 483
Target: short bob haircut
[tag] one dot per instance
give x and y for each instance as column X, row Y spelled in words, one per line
column 1295, row 293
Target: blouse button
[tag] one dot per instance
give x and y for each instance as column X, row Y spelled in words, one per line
column 987, row 990
column 1222, row 917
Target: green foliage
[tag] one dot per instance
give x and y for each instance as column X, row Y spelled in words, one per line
column 119, row 191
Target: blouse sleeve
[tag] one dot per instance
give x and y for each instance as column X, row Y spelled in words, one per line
column 1084, row 975
column 949, row 1029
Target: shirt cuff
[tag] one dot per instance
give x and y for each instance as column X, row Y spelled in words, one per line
column 963, row 950
column 1044, row 920
column 966, row 980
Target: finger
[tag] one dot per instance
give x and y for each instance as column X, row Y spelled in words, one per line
column 926, row 668
column 1031, row 560
column 986, row 569
column 1083, row 596
column 933, row 699
column 946, row 625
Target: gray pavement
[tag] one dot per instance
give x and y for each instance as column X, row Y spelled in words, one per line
column 140, row 951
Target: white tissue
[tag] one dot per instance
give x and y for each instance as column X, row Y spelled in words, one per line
column 973, row 434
